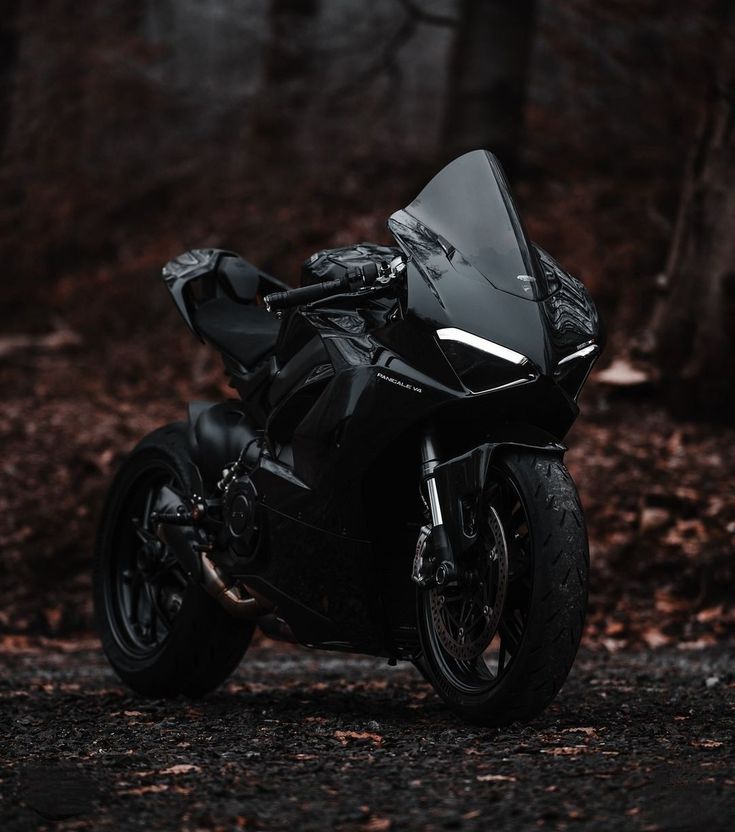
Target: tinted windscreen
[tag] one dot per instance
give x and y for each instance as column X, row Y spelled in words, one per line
column 468, row 206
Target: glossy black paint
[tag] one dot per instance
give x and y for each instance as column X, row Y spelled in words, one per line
column 462, row 478
column 333, row 413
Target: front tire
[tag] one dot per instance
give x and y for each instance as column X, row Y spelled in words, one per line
column 500, row 651
column 163, row 635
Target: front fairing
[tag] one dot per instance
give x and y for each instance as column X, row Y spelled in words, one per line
column 472, row 268
column 451, row 293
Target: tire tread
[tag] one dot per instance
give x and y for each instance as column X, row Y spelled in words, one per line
column 556, row 619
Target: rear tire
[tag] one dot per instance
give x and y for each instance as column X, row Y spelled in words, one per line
column 196, row 648
column 551, row 561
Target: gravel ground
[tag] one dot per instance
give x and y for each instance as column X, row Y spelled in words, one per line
column 306, row 740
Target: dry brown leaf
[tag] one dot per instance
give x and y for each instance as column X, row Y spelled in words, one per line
column 180, row 768
column 377, row 825
column 707, row 743
column 653, row 518
column 154, row 788
column 710, row 614
column 346, row 737
column 590, row 732
column 622, row 374
column 613, row 645
column 614, row 628
column 668, row 604
column 52, row 341
column 655, row 638
column 495, row 778
column 707, row 640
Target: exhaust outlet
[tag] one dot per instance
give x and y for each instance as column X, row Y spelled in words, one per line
column 229, row 597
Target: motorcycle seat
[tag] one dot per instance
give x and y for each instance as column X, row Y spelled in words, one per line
column 246, row 332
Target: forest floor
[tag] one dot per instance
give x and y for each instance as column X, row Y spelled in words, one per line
column 637, row 740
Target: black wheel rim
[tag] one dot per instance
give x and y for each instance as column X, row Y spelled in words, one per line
column 478, row 670
column 145, row 585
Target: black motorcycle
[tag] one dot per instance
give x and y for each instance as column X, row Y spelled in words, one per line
column 389, row 479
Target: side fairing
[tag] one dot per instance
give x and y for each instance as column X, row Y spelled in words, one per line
column 373, row 396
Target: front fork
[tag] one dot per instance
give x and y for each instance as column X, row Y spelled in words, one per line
column 438, row 567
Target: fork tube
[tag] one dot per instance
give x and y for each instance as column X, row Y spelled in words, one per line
column 440, row 545
column 429, row 460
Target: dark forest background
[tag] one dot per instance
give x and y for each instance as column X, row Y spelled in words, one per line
column 133, row 129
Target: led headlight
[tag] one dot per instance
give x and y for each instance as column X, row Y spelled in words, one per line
column 483, row 365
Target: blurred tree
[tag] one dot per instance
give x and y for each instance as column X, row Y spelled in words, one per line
column 8, row 57
column 289, row 57
column 487, row 79
column 694, row 322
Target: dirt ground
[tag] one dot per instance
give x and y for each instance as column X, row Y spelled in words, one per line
column 638, row 740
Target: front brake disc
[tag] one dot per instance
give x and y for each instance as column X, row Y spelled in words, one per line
column 466, row 617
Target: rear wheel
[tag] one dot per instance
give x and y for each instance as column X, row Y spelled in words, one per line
column 499, row 646
column 162, row 634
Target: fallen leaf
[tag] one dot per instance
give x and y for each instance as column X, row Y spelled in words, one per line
column 668, row 604
column 710, row 614
column 707, row 743
column 152, row 789
column 180, row 768
column 345, row 737
column 655, row 638
column 614, row 628
column 590, row 732
column 377, row 825
column 705, row 641
column 621, row 374
column 653, row 518
column 613, row 645
column 495, row 778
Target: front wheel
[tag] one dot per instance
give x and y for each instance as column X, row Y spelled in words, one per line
column 499, row 646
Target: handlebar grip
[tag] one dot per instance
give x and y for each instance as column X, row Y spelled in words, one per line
column 306, row 294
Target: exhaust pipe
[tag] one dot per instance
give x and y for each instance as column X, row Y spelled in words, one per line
column 229, row 597
column 175, row 529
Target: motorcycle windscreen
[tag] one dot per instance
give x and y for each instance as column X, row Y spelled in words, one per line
column 468, row 208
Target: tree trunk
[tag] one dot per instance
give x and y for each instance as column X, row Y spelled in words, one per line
column 694, row 322
column 487, row 79
column 8, row 58
column 285, row 97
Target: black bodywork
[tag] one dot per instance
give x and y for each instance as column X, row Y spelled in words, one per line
column 333, row 399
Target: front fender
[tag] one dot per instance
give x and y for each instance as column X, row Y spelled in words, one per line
column 460, row 480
